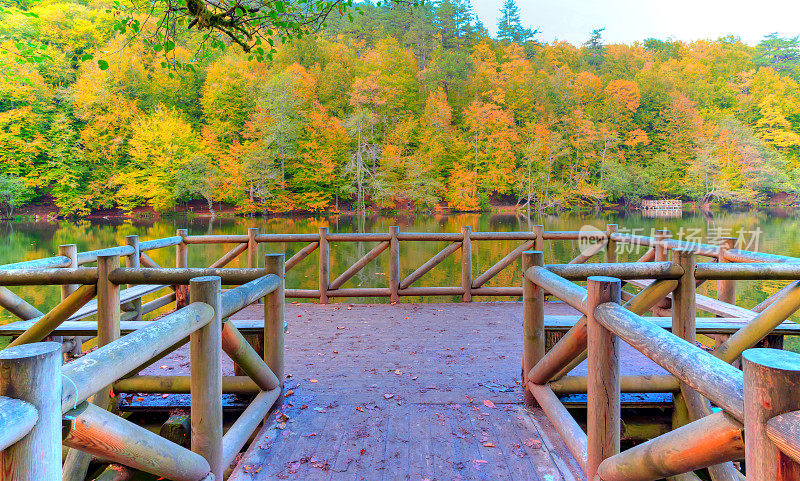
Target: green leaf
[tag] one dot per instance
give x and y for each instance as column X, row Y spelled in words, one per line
column 102, row 64
column 86, row 56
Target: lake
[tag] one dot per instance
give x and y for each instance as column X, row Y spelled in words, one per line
column 761, row 231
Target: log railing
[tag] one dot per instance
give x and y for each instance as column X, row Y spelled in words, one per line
column 751, row 414
column 39, row 395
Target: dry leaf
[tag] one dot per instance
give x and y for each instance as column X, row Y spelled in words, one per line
column 489, row 404
column 488, row 445
column 533, row 443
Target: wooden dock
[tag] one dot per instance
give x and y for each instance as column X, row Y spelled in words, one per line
column 410, row 391
column 403, row 391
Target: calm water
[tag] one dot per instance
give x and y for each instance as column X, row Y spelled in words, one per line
column 762, row 231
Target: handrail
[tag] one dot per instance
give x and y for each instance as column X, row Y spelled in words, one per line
column 17, row 418
column 713, row 439
column 715, row 379
column 90, row 373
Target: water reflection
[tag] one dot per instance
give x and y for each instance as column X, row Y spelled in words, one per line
column 27, row 240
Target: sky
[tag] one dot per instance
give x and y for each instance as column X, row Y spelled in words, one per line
column 628, row 21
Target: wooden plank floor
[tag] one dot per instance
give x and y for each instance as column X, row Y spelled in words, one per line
column 405, row 392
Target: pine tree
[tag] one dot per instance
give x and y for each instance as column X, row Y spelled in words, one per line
column 454, row 19
column 595, row 47
column 509, row 27
column 782, row 54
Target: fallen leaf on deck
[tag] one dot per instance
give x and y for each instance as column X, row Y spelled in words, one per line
column 489, row 404
column 533, row 443
column 488, row 445
column 388, row 396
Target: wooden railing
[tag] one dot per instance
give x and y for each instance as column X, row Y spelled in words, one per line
column 136, row 255
column 725, row 406
column 37, row 393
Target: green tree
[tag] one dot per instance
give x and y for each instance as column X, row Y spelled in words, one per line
column 780, row 53
column 595, row 50
column 14, row 192
column 509, row 26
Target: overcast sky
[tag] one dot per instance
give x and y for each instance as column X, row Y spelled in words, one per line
column 628, row 21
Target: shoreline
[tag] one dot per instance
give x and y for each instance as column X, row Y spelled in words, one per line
column 781, row 204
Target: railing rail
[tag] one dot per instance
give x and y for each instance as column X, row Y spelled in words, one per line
column 37, row 391
column 759, row 418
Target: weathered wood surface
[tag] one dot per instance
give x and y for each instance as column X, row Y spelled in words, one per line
column 557, row 323
column 440, row 362
column 708, row 304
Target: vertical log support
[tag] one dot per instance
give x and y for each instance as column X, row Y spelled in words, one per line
column 683, row 326
column 726, row 289
column 466, row 263
column 274, row 318
column 108, row 316
column 182, row 261
column 538, row 244
column 133, row 260
column 611, row 246
column 32, row 373
column 252, row 248
column 255, row 340
column 771, row 386
column 684, row 297
column 661, row 254
column 394, row 264
column 603, row 389
column 205, row 346
column 532, row 320
column 324, row 265
column 70, row 251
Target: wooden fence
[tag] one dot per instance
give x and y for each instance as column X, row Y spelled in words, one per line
column 730, row 415
column 760, row 402
column 37, row 393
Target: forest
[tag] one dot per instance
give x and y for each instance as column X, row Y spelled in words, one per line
column 397, row 108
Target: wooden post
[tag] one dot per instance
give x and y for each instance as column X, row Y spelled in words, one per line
column 771, row 387
column 539, row 244
column 108, row 316
column 274, row 318
column 205, row 347
column 71, row 251
column 324, row 265
column 394, row 264
column 532, row 321
column 182, row 261
column 32, row 373
column 611, row 246
column 683, row 326
column 133, row 260
column 466, row 263
column 252, row 248
column 661, row 254
column 726, row 289
column 603, row 389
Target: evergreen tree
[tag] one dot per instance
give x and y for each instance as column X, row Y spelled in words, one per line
column 782, row 54
column 595, row 47
column 509, row 27
column 454, row 20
